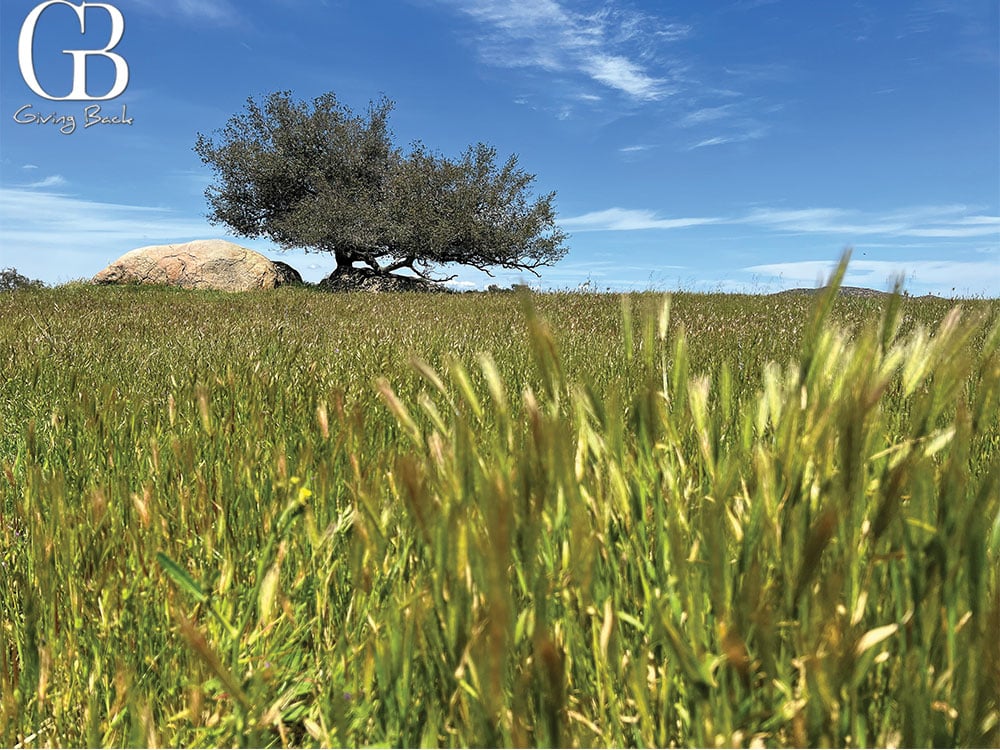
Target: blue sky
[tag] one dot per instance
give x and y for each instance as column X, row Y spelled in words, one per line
column 738, row 145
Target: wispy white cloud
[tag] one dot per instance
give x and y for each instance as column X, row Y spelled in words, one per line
column 738, row 137
column 56, row 237
column 927, row 245
column 953, row 221
column 612, row 47
column 625, row 55
column 950, row 221
column 625, row 220
column 707, row 114
column 925, row 16
column 55, row 180
column 736, row 121
column 623, row 74
column 965, row 29
column 673, row 32
column 35, row 217
column 58, row 234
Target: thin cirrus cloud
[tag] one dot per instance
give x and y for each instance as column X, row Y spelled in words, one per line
column 707, row 114
column 929, row 222
column 620, row 73
column 942, row 222
column 610, row 47
column 620, row 53
column 44, row 220
column 77, row 237
column 721, row 140
column 732, row 119
column 55, row 180
column 627, row 220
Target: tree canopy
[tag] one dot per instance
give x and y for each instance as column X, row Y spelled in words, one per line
column 10, row 280
column 320, row 177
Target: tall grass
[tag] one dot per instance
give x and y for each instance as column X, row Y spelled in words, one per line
column 291, row 519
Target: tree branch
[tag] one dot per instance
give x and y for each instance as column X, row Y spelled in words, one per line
column 406, row 262
column 428, row 277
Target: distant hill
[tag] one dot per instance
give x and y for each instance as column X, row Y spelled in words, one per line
column 847, row 291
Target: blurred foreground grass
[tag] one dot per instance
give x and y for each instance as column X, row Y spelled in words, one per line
column 290, row 518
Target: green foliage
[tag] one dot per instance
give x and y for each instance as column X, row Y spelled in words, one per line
column 708, row 520
column 11, row 280
column 319, row 177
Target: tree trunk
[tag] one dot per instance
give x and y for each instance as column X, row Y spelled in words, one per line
column 345, row 262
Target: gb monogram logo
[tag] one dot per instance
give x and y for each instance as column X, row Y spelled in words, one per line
column 25, row 53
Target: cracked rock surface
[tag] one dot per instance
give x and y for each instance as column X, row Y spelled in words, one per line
column 201, row 264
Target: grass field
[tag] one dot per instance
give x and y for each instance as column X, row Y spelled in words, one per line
column 291, row 518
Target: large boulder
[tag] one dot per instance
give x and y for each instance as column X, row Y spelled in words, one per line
column 202, row 264
column 286, row 274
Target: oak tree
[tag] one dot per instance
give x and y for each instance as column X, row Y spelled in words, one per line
column 320, row 177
